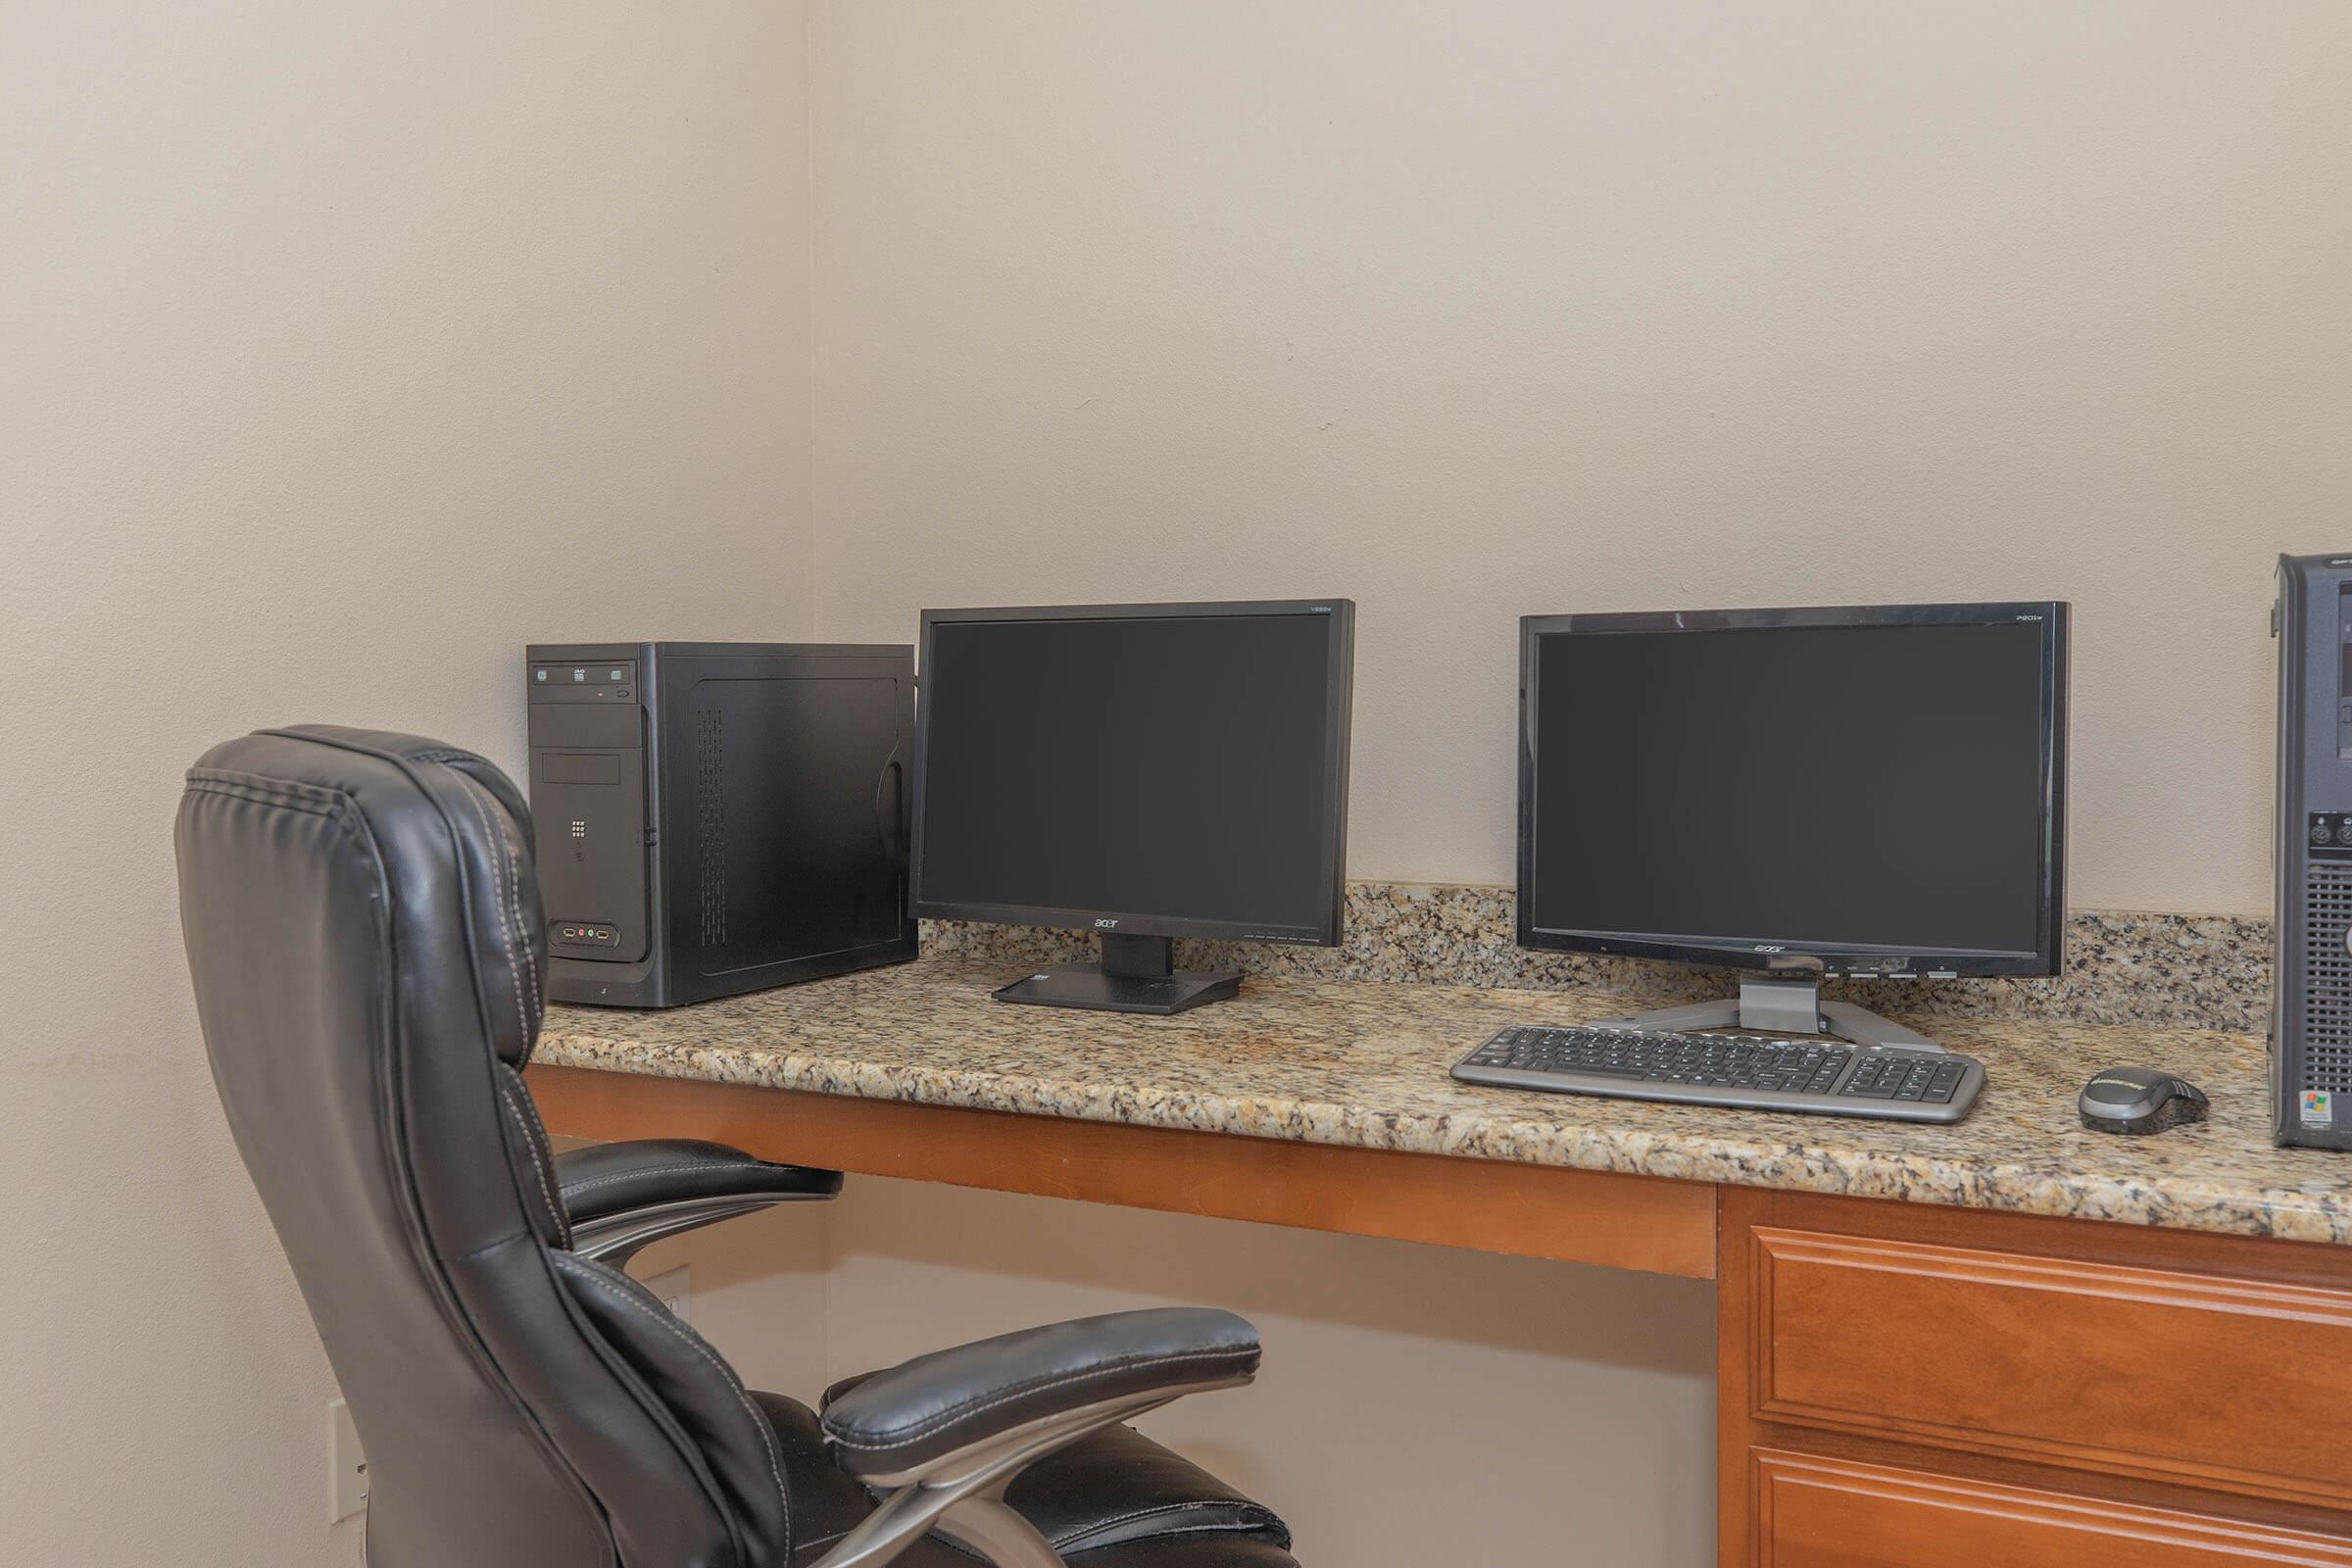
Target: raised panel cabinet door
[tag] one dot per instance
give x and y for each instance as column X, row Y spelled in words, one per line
column 1830, row 1513
column 2208, row 1379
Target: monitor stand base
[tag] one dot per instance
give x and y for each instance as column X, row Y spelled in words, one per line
column 1781, row 1006
column 1137, row 975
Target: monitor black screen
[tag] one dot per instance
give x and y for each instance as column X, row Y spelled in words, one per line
column 1177, row 770
column 1848, row 786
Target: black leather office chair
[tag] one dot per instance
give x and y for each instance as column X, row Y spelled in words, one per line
column 365, row 933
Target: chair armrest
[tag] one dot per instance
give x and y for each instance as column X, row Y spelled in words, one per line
column 607, row 1179
column 943, row 1436
column 896, row 1422
column 620, row 1197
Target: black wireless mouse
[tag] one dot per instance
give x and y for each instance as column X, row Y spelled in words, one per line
column 2135, row 1100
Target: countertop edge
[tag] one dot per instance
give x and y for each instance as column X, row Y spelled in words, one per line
column 2283, row 1214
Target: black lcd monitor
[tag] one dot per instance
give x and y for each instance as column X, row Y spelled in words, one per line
column 1142, row 771
column 1806, row 793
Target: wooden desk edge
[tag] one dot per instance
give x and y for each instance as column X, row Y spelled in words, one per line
column 1637, row 1222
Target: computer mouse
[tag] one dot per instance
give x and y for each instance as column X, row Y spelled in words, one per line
column 2135, row 1101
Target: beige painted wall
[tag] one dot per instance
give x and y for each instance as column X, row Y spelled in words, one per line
column 1474, row 310
column 343, row 349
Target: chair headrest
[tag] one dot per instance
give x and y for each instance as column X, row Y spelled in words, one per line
column 436, row 812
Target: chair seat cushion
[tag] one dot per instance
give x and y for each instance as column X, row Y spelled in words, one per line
column 1112, row 1499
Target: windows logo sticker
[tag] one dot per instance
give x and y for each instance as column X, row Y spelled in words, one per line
column 2318, row 1109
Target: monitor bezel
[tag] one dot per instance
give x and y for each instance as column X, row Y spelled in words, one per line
column 1337, row 709
column 1763, row 951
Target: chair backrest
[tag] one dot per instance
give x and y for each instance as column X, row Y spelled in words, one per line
column 365, row 939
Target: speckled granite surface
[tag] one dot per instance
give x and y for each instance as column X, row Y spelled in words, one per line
column 1364, row 1064
column 2182, row 970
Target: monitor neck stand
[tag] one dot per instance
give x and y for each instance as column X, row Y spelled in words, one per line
column 1137, row 975
column 1789, row 1006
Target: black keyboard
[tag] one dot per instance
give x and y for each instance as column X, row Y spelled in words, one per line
column 1747, row 1072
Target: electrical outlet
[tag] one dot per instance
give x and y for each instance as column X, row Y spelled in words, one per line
column 346, row 1465
column 675, row 1286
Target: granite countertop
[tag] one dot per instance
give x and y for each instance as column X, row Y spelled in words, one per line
column 1363, row 1064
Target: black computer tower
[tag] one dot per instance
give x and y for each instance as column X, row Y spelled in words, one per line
column 2311, row 1007
column 718, row 817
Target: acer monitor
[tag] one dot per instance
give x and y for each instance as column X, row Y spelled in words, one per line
column 1141, row 772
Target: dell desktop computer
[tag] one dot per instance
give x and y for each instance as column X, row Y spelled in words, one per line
column 2311, row 977
column 1800, row 795
column 1142, row 771
column 717, row 818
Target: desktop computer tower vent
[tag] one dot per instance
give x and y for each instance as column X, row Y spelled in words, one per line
column 2327, row 981
column 710, row 823
column 2311, row 1004
column 718, row 817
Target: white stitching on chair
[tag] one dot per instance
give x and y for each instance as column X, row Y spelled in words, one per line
column 657, row 1170
column 582, row 1269
column 532, row 947
column 531, row 1107
column 1097, row 1525
column 498, row 903
column 539, row 1162
column 502, row 829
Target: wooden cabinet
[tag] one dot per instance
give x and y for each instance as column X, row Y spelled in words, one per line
column 1906, row 1387
column 2085, row 1364
column 1827, row 1513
